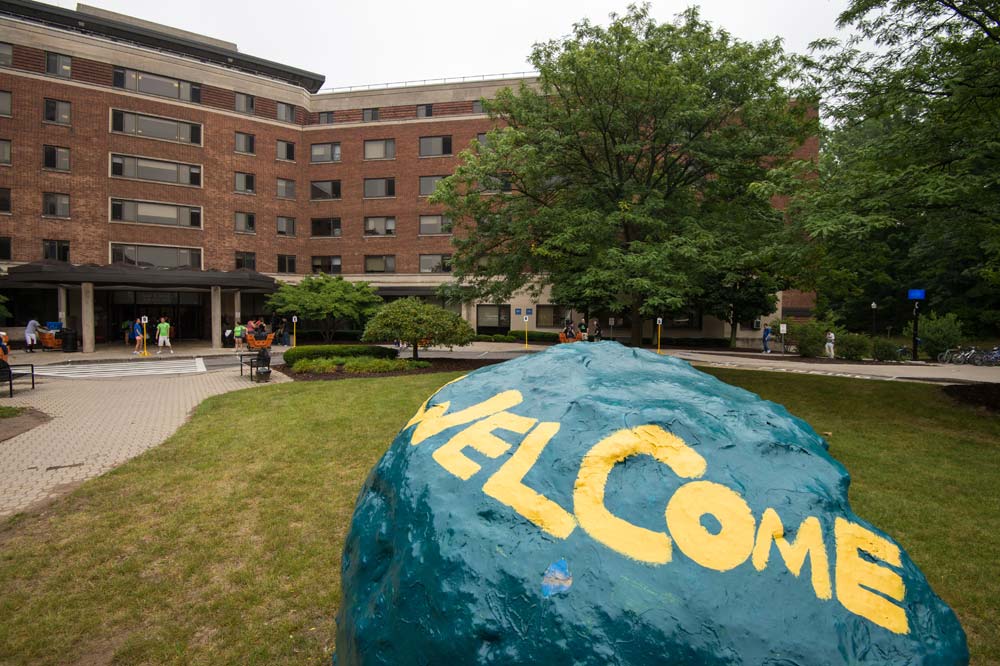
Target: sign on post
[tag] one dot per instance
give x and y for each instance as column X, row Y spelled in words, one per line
column 783, row 328
column 917, row 294
column 659, row 321
column 517, row 311
column 526, row 318
column 295, row 319
column 295, row 330
column 528, row 311
column 611, row 321
column 145, row 319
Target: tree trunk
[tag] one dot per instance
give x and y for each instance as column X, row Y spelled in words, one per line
column 636, row 326
column 415, row 344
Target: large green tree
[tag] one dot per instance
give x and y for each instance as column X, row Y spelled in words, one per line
column 413, row 321
column 326, row 300
column 609, row 178
column 908, row 193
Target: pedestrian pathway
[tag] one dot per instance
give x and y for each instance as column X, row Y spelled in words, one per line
column 126, row 369
column 97, row 425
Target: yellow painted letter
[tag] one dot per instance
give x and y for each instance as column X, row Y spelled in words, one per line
column 723, row 551
column 505, row 485
column 857, row 578
column 434, row 420
column 808, row 542
column 588, row 494
column 479, row 436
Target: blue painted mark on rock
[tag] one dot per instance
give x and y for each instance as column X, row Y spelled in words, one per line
column 557, row 578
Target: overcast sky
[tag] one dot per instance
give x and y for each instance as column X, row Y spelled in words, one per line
column 368, row 42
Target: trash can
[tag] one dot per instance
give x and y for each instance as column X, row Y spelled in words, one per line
column 69, row 340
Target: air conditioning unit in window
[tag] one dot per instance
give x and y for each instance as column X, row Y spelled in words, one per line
column 756, row 324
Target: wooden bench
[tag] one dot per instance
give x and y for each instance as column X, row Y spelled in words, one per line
column 250, row 360
column 48, row 340
column 8, row 373
column 253, row 343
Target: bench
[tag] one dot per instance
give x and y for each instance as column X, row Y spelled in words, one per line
column 251, row 361
column 48, row 340
column 8, row 373
column 253, row 343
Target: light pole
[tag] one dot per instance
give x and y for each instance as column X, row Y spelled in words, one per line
column 874, row 311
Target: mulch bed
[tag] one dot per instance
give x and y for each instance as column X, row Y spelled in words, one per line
column 23, row 422
column 437, row 365
column 978, row 395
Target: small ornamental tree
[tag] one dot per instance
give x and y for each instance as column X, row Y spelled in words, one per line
column 326, row 300
column 415, row 322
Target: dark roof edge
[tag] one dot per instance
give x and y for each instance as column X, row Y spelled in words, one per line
column 56, row 272
column 68, row 19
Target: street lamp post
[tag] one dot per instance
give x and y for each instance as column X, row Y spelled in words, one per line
column 874, row 311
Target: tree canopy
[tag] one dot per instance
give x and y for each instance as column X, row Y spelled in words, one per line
column 326, row 300
column 415, row 322
column 616, row 175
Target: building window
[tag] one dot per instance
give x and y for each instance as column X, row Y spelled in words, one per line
column 550, row 316
column 5, row 151
column 245, row 143
column 286, row 263
column 54, row 157
column 245, row 183
column 369, row 115
column 286, row 188
column 324, row 189
column 425, row 110
column 244, row 103
column 380, row 187
column 435, row 263
column 152, row 127
column 380, row 226
column 5, row 103
column 325, row 152
column 148, row 212
column 140, row 168
column 380, row 263
column 246, row 260
column 434, row 225
column 58, row 112
column 286, row 112
column 55, row 205
column 286, row 150
column 56, row 250
column 433, row 146
column 326, row 264
column 158, row 256
column 286, row 226
column 5, row 254
column 477, row 106
column 153, row 84
column 4, row 199
column 6, row 55
column 246, row 223
column 325, row 117
column 380, row 149
column 58, row 65
column 428, row 183
column 325, row 227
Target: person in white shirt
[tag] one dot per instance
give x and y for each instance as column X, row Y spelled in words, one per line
column 830, row 339
column 31, row 335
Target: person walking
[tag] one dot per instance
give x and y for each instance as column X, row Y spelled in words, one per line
column 31, row 335
column 595, row 330
column 830, row 339
column 239, row 333
column 163, row 336
column 283, row 332
column 766, row 337
column 137, row 335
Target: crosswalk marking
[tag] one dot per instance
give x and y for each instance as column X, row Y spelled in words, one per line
column 123, row 369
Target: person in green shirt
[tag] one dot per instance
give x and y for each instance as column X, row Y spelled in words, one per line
column 163, row 335
column 239, row 334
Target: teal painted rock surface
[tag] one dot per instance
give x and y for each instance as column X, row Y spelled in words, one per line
column 594, row 504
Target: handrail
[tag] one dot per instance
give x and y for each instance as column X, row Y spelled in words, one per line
column 425, row 82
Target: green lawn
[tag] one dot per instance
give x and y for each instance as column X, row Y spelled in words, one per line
column 10, row 412
column 222, row 546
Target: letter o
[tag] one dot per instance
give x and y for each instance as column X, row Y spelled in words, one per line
column 723, row 551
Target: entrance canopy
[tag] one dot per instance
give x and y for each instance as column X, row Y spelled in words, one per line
column 122, row 275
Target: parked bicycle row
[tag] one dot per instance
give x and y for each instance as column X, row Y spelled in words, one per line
column 971, row 356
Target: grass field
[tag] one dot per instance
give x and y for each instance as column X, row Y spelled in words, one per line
column 222, row 546
column 10, row 412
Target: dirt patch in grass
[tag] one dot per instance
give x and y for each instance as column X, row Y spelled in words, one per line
column 26, row 419
column 977, row 395
column 437, row 365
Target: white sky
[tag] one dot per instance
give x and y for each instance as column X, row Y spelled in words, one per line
column 378, row 41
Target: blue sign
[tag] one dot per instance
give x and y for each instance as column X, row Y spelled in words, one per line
column 529, row 311
column 517, row 311
column 917, row 294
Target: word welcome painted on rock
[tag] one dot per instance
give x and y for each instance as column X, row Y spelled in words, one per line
column 864, row 586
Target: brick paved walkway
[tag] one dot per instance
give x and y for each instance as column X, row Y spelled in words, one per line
column 97, row 424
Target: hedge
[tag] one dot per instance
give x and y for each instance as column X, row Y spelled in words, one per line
column 329, row 351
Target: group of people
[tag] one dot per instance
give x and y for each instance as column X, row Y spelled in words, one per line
column 135, row 334
column 591, row 332
column 257, row 329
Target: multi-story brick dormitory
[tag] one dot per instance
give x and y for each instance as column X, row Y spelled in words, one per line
column 127, row 148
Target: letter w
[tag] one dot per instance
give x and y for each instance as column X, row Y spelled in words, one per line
column 431, row 421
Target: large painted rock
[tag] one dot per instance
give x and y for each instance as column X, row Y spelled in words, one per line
column 594, row 504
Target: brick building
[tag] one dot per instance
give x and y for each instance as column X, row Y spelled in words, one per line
column 181, row 168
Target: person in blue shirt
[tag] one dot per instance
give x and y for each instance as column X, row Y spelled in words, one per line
column 766, row 337
column 137, row 334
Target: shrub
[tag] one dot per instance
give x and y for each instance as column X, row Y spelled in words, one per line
column 542, row 336
column 327, row 351
column 809, row 337
column 499, row 337
column 853, row 346
column 413, row 321
column 884, row 349
column 318, row 365
column 482, row 338
column 937, row 334
column 360, row 365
